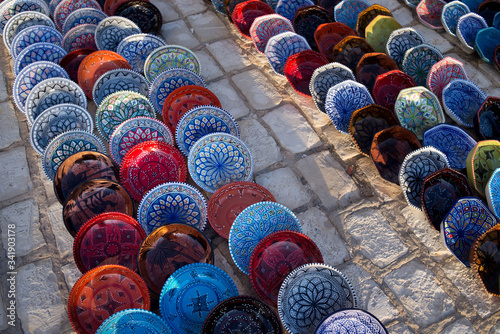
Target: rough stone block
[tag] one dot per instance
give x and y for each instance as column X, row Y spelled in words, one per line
column 343, row 143
column 229, row 55
column 389, row 4
column 71, row 274
column 285, row 187
column 15, row 176
column 459, row 327
column 318, row 119
column 416, row 288
column 207, row 26
column 291, row 129
column 404, row 16
column 168, row 12
column 383, row 244
column 229, row 98
column 241, row 281
column 3, row 89
column 265, row 151
column 64, row 240
column 178, row 33
column 209, row 69
column 474, row 75
column 328, row 180
column 400, row 328
column 189, row 7
column 3, row 315
column 434, row 38
column 260, row 93
column 386, row 190
column 9, row 128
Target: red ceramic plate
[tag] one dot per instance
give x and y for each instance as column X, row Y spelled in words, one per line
column 300, row 67
column 246, row 12
column 95, row 65
column 328, row 35
column 149, row 164
column 71, row 62
column 168, row 248
column 181, row 100
column 102, row 292
column 228, row 202
column 388, row 85
column 275, row 257
column 371, row 65
column 110, row 238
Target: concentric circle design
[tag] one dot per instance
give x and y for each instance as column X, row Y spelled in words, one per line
column 168, row 57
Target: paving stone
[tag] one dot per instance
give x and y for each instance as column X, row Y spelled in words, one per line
column 207, row 26
column 316, row 118
column 291, row 129
column 178, row 33
column 39, row 304
column 495, row 329
column 64, row 240
column 189, row 7
column 328, row 180
column 265, row 151
column 227, row 265
column 404, row 16
column 400, row 328
column 383, row 244
column 229, row 55
column 316, row 225
column 389, row 4
column 474, row 75
column 168, row 12
column 9, row 128
column 344, row 145
column 491, row 71
column 229, row 98
column 370, row 295
column 209, row 70
column 3, row 315
column 24, row 215
column 71, row 274
column 3, row 88
column 416, row 288
column 459, row 327
column 15, row 176
column 471, row 288
column 434, row 38
column 256, row 87
column 285, row 187
column 386, row 190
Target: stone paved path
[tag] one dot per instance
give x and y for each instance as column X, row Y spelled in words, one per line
column 401, row 271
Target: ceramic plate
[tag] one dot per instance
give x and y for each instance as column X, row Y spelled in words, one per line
column 200, row 121
column 51, row 92
column 287, row 9
column 350, row 50
column 117, row 80
column 137, row 48
column 481, row 162
column 400, row 41
column 371, row 65
column 172, row 203
column 419, row 60
column 486, row 42
column 10, row 8
column 255, row 223
column 354, row 321
column 452, row 12
column 169, row 57
column 38, row 52
column 487, row 119
column 218, row 159
column 378, row 31
column 71, row 62
column 327, row 36
column 281, row 46
column 429, row 12
column 66, row 7
column 56, row 120
column 267, row 26
column 83, row 16
column 461, row 101
column 191, row 293
column 310, row 293
column 388, row 85
column 467, row 28
column 112, row 30
column 307, row 20
column 486, row 261
column 22, row 21
column 246, row 12
column 80, row 37
column 347, row 11
column 443, row 72
column 367, row 15
column 300, row 67
column 143, row 13
column 134, row 320
column 32, row 35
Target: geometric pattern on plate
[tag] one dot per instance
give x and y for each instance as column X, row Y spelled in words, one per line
column 37, row 52
column 22, row 21
column 112, row 30
column 443, row 72
column 418, row 61
column 137, row 48
column 32, row 35
column 400, row 41
column 168, row 57
column 461, row 101
column 282, row 46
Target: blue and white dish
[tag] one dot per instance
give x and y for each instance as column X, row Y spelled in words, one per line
column 56, row 120
column 65, row 145
column 169, row 57
column 30, row 76
column 352, row 321
column 168, row 81
column 66, row 7
column 80, row 37
column 415, row 168
column 83, row 16
column 287, row 8
column 218, row 159
column 310, row 293
column 9, row 8
column 493, row 192
column 22, row 21
column 190, row 293
column 137, row 48
column 466, row 221
column 201, row 121
column 255, row 223
column 418, row 61
column 282, row 46
column 452, row 12
column 454, row 142
column 343, row 99
column 485, row 43
column 32, row 35
column 400, row 41
column 172, row 202
column 467, row 28
column 51, row 92
column 117, row 80
column 324, row 78
column 134, row 131
column 38, row 52
column 347, row 11
column 462, row 100
column 137, row 321
column 112, row 30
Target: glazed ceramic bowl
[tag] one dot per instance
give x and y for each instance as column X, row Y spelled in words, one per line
column 462, row 100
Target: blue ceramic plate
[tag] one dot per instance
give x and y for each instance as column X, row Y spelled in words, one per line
column 255, row 223
column 347, row 12
column 51, row 92
column 38, row 52
column 288, row 9
column 218, row 159
column 467, row 220
column 172, row 202
column 137, row 48
column 80, row 37
column 168, row 81
column 30, row 76
column 168, row 57
column 400, row 41
column 9, row 8
column 201, row 121
column 467, row 28
column 454, row 142
column 415, row 168
column 343, row 99
column 116, row 80
column 452, row 12
column 134, row 131
column 66, row 7
column 32, row 35
column 190, row 293
column 310, row 293
column 22, row 21
column 462, row 100
column 282, row 46
column 56, row 120
column 83, row 16
column 352, row 321
column 136, row 321
column 485, row 43
column 493, row 192
column 67, row 144
column 418, row 61
column 112, row 30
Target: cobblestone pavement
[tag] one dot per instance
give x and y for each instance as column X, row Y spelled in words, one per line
column 401, row 271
